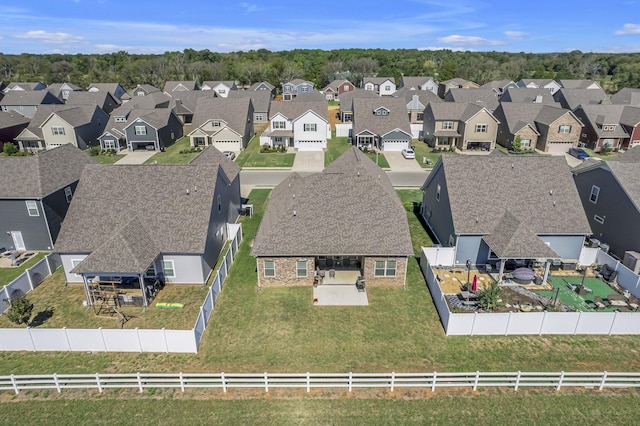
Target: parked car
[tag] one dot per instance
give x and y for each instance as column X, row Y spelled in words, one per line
column 408, row 153
column 579, row 153
column 230, row 154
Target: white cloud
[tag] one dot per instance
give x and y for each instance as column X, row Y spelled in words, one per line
column 629, row 29
column 453, row 49
column 53, row 38
column 459, row 40
column 250, row 7
column 515, row 35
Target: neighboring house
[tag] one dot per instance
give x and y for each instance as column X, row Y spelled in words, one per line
column 261, row 101
column 346, row 103
column 151, row 101
column 300, row 125
column 526, row 95
column 11, row 125
column 382, row 123
column 180, row 86
column 540, row 83
column 499, row 86
column 611, row 199
column 295, row 87
column 63, row 90
column 573, row 98
column 383, row 86
column 630, row 121
column 539, row 222
column 151, row 129
column 626, row 96
column 318, row 223
column 455, row 83
column 579, row 84
column 465, row 126
column 544, row 127
column 3, row 86
column 417, row 101
column 36, row 196
column 25, row 87
column 487, row 98
column 419, row 83
column 105, row 100
column 171, row 221
column 602, row 126
column 225, row 123
column 27, row 102
column 114, row 88
column 143, row 90
column 263, row 86
column 183, row 103
column 336, row 88
column 221, row 88
column 312, row 96
column 56, row 125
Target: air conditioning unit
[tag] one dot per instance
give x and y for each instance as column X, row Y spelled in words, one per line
column 632, row 261
column 604, row 247
column 595, row 243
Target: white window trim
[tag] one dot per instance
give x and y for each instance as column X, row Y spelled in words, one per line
column 386, row 268
column 57, row 131
column 598, row 219
column 74, row 263
column 141, row 130
column 279, row 125
column 597, row 193
column 564, row 128
column 438, row 188
column 306, row 269
column 313, row 127
column 481, row 128
column 172, row 268
column 264, row 268
column 68, row 194
column 447, row 125
column 32, row 205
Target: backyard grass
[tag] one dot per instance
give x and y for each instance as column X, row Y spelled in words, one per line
column 382, row 161
column 336, row 146
column 252, row 157
column 172, row 155
column 9, row 274
column 418, row 235
column 107, row 159
column 423, row 150
column 604, row 157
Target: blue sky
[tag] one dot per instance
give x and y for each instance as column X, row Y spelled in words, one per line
column 143, row 26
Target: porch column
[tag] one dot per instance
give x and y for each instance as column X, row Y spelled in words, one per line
column 502, row 262
column 86, row 290
column 144, row 290
column 546, row 271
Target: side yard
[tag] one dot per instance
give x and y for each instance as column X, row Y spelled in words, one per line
column 178, row 153
column 252, row 157
column 9, row 274
column 336, row 146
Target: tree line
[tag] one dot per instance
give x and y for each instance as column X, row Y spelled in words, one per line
column 612, row 71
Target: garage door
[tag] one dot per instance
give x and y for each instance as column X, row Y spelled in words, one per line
column 227, row 145
column 141, row 145
column 395, row 145
column 559, row 147
column 310, row 145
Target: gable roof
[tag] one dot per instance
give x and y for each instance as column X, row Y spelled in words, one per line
column 158, row 118
column 106, row 87
column 31, row 85
column 416, row 99
column 518, row 115
column 171, row 86
column 540, row 82
column 75, row 115
column 261, row 99
column 329, row 222
column 29, row 98
column 293, row 110
column 365, row 119
column 12, row 118
column 377, row 80
column 41, row 174
column 258, row 84
column 498, row 84
column 527, row 95
column 185, row 102
column 573, row 98
column 415, row 82
column 150, row 101
column 212, row 83
column 91, row 98
column 145, row 87
column 346, row 99
column 627, row 95
column 312, row 96
column 56, row 88
column 457, row 111
column 578, row 84
column 335, row 84
column 234, row 111
column 486, row 97
column 599, row 115
column 457, row 82
column 213, row 157
column 298, row 81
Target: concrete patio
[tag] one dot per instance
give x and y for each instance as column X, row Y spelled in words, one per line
column 339, row 295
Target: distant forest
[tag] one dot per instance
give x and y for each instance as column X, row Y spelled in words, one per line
column 612, row 71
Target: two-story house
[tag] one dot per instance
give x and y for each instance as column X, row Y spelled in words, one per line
column 152, row 129
column 221, row 88
column 143, row 90
column 11, row 124
column 528, row 95
column 180, row 86
column 336, row 88
column 381, row 123
column 114, row 88
column 602, row 128
column 300, row 125
column 499, row 86
column 455, row 83
column 540, row 83
column 225, row 123
column 486, row 97
column 27, row 102
column 573, row 98
column 63, row 90
column 261, row 101
column 263, row 86
column 419, row 83
column 383, row 86
column 345, row 113
column 295, row 87
column 36, row 196
column 105, row 100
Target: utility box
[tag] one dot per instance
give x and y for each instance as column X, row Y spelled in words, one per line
column 632, row 261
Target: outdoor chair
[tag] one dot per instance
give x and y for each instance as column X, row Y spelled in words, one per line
column 599, row 302
column 332, row 273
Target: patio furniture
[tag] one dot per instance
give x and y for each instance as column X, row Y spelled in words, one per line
column 623, row 309
column 523, row 275
column 599, row 302
column 332, row 273
column 360, row 283
column 616, row 299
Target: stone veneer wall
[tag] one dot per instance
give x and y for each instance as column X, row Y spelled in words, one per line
column 285, row 272
column 397, row 281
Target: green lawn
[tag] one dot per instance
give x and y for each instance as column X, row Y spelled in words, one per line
column 605, row 157
column 573, row 299
column 9, row 274
column 336, row 146
column 172, row 154
column 382, row 161
column 252, row 157
column 419, row 236
column 107, row 159
column 423, row 150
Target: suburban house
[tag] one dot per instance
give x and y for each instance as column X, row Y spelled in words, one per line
column 114, row 88
column 417, row 101
column 336, row 88
column 261, row 101
column 602, row 126
column 545, row 128
column 611, row 199
column 579, row 84
column 24, row 86
column 63, row 90
column 221, row 88
column 226, row 123
column 540, row 83
column 263, row 86
column 27, row 102
column 487, row 98
column 383, row 86
column 180, row 86
column 149, row 129
column 56, row 125
column 346, row 103
column 630, row 121
column 150, row 101
column 466, row 126
column 293, row 88
column 105, row 100
column 541, row 222
column 382, row 123
column 526, row 95
column 315, row 223
column 11, row 124
column 499, row 86
column 183, row 103
column 36, row 196
column 419, row 83
column 626, row 96
column 171, row 222
column 143, row 90
column 300, row 125
column 455, row 83
column 573, row 98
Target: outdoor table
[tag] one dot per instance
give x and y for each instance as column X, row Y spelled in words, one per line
column 466, row 295
column 616, row 302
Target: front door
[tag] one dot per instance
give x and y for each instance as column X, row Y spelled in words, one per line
column 18, row 242
column 291, row 143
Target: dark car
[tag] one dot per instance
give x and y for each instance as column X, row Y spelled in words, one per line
column 579, row 153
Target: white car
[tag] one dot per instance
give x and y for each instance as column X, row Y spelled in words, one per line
column 230, row 155
column 408, row 154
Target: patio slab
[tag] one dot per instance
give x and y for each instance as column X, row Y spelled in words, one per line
column 339, row 295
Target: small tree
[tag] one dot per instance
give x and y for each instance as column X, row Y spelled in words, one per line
column 20, row 310
column 517, row 144
column 605, row 150
column 488, row 297
column 9, row 149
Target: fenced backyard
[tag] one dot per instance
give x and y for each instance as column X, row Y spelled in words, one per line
column 31, row 278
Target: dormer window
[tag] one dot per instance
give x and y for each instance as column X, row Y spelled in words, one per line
column 381, row 111
column 216, row 124
column 609, row 128
column 120, row 119
column 304, row 89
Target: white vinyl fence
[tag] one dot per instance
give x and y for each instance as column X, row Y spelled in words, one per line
column 531, row 323
column 30, row 279
column 343, row 130
column 125, row 340
column 309, row 381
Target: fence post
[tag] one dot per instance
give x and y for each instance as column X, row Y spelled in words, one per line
column 473, row 324
column 308, row 384
column 575, row 330
column 517, row 380
column 224, row 383
column 350, row 381
column 26, row 271
column 66, row 335
column 613, row 323
column 139, row 341
column 506, row 329
column 140, row 382
column 181, row 382
column 46, row 258
column 15, row 384
column 98, row 382
column 544, row 318
column 560, row 381
column 604, row 379
column 104, row 342
column 166, row 343
column 433, row 382
column 475, row 383
column 393, row 379
column 57, row 382
column 213, row 302
column 266, row 382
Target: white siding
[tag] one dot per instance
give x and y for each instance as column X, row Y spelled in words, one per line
column 188, row 269
column 67, row 266
column 310, row 140
column 383, row 88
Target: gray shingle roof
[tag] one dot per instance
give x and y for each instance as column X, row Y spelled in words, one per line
column 599, row 115
column 213, row 157
column 255, row 86
column 91, row 98
column 626, row 167
column 414, row 82
column 185, row 102
column 312, row 96
column 517, row 115
column 29, row 98
column 12, row 118
column 576, row 84
column 630, row 115
column 540, row 82
column 234, row 111
column 106, row 87
column 457, row 111
column 261, row 99
column 24, row 85
column 377, row 80
column 146, row 87
column 573, row 98
column 335, row 84
column 293, row 110
column 424, row 97
column 40, row 175
column 171, row 86
column 486, row 97
column 497, row 84
column 456, row 81
column 330, row 210
column 346, row 99
column 512, row 238
column 365, row 119
column 627, row 96
column 523, row 94
column 150, row 101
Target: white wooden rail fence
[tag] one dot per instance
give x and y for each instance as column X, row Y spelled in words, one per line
column 309, row 381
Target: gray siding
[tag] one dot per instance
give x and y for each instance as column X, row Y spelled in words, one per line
column 15, row 217
column 567, row 246
column 471, row 247
column 440, row 218
column 67, row 265
column 56, row 207
column 150, row 137
column 188, row 269
column 396, row 136
column 174, row 126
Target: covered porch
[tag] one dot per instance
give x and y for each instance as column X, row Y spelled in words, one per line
column 367, row 140
column 446, row 138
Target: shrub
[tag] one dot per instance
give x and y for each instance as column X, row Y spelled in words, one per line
column 605, row 150
column 10, row 149
column 452, row 148
column 20, row 310
column 488, row 297
column 94, row 150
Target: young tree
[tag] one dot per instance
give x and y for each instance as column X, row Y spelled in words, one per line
column 517, row 144
column 488, row 297
column 20, row 310
column 9, row 149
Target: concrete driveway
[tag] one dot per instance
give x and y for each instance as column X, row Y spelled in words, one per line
column 135, row 157
column 308, row 161
column 571, row 160
column 400, row 164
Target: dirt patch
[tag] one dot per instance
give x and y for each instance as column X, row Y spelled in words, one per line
column 333, row 119
column 452, row 281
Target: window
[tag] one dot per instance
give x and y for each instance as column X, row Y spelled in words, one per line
column 368, row 86
column 32, row 208
column 481, row 128
column 109, row 144
column 141, row 130
column 525, row 143
column 279, row 124
column 438, row 193
column 301, row 268
column 168, row 268
column 222, row 91
column 607, row 143
column 68, row 194
column 286, row 89
column 420, row 116
column 595, row 192
column 598, row 219
column 259, row 117
column 310, row 127
column 385, row 268
column 119, row 119
column 387, row 88
column 381, row 111
column 565, row 128
column 216, row 124
column 269, row 268
column 219, row 203
column 140, row 94
column 345, row 88
column 74, row 263
column 57, row 130
column 447, row 125
column 304, row 89
column 151, row 271
column 608, row 128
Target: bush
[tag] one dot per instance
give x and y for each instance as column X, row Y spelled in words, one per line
column 488, row 297
column 605, row 150
column 20, row 310
column 94, row 150
column 10, row 149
